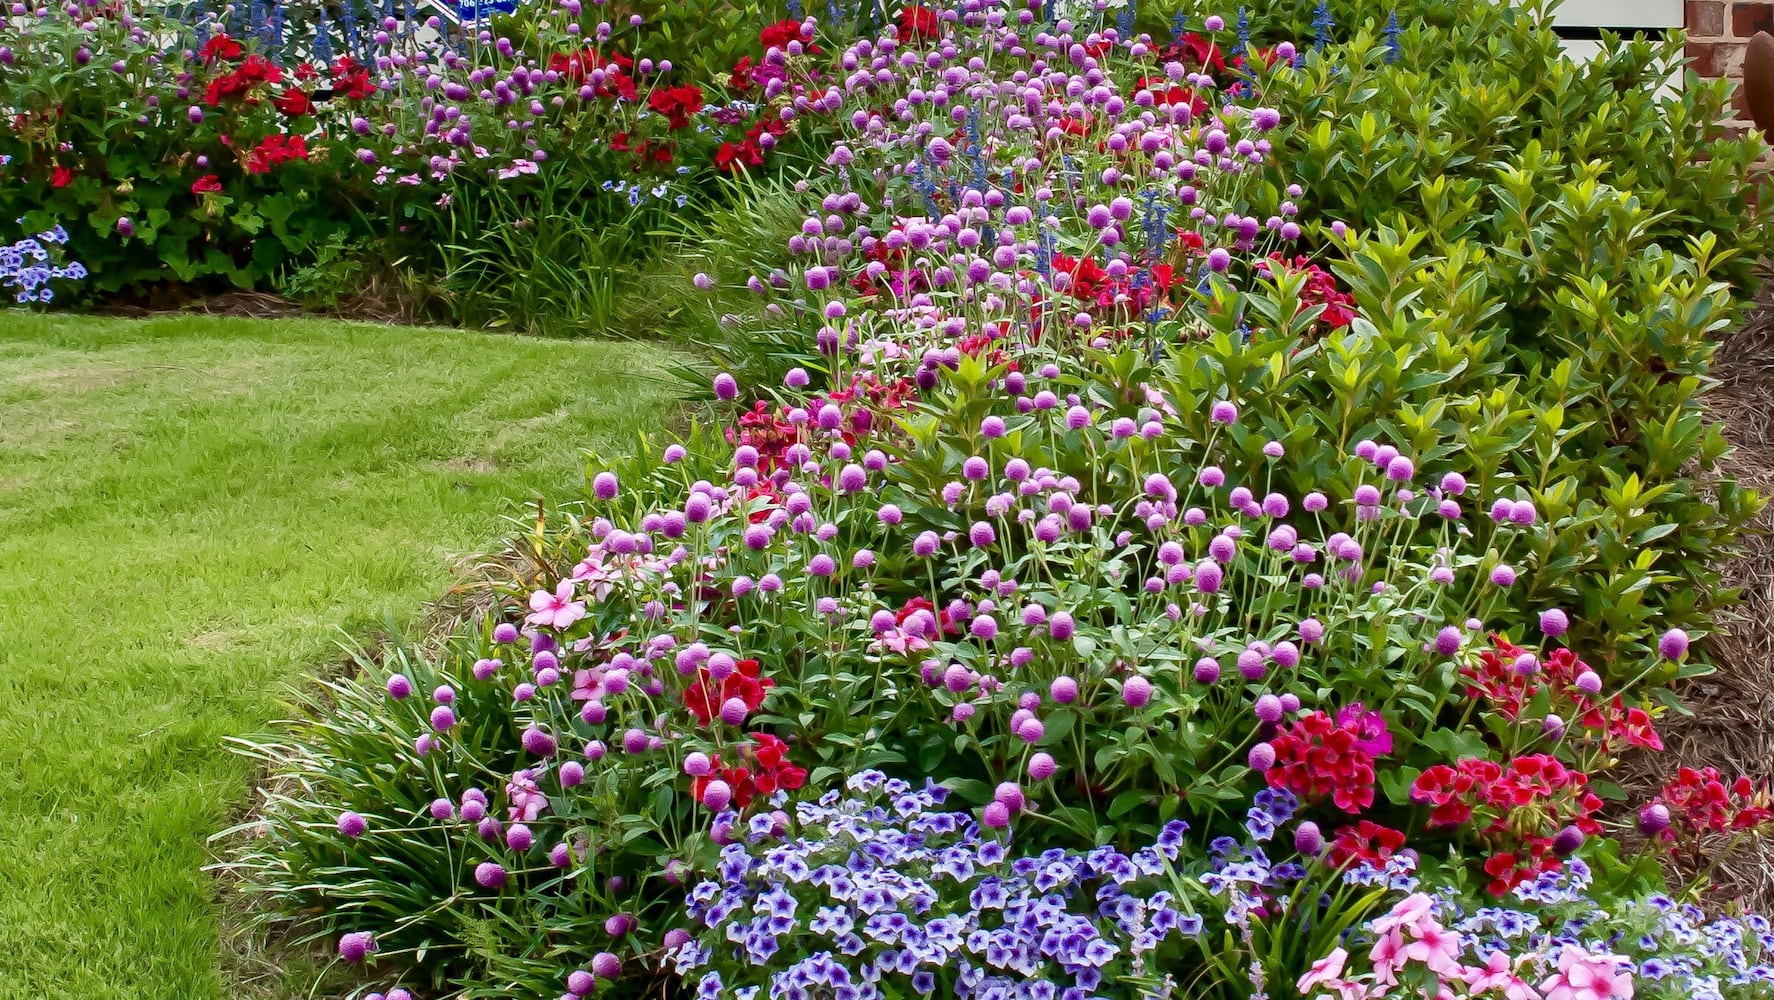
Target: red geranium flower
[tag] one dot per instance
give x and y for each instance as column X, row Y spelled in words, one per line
column 293, row 103
column 705, row 697
column 273, row 150
column 207, row 184
column 220, row 47
column 919, row 21
column 60, row 176
column 677, row 104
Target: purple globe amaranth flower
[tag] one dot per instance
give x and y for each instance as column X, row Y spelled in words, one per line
column 505, row 633
column 1063, row 689
column 354, row 946
column 618, row 924
column 716, row 795
column 1041, row 766
column 399, row 687
column 1207, row 670
column 1308, row 839
column 1449, row 640
column 605, row 486
column 1224, row 412
column 996, row 815
column 580, row 982
column 490, row 874
column 1653, row 819
column 572, row 774
column 351, row 825
column 518, row 837
column 1136, row 692
column 1060, row 626
column 1589, row 682
column 1261, row 757
column 1503, row 575
column 1674, row 644
column 443, row 718
column 539, row 743
column 1268, row 708
column 1009, row 793
column 698, row 764
column 605, row 965
column 1566, row 842
column 726, row 387
column 1553, row 623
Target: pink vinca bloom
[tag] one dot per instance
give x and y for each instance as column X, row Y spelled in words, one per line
column 1498, row 974
column 1437, row 948
column 556, row 610
column 526, row 799
column 1388, row 957
column 1586, row 976
column 1326, row 969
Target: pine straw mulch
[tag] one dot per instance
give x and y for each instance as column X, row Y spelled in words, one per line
column 1732, row 725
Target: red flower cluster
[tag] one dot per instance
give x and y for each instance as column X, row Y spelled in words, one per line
column 677, row 104
column 1520, row 807
column 207, row 184
column 1321, row 290
column 577, row 67
column 1496, row 679
column 918, row 21
column 220, row 47
column 763, row 769
column 293, row 103
column 1702, row 802
column 351, row 79
column 60, row 176
column 1365, row 841
column 705, row 697
column 273, row 150
column 769, row 431
column 733, row 157
column 778, row 35
column 1165, row 93
column 1318, row 756
column 239, row 82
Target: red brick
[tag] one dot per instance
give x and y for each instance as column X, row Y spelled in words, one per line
column 1706, row 18
column 1749, row 18
column 1716, row 58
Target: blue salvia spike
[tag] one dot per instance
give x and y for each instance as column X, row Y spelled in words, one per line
column 1322, row 23
column 831, row 11
column 409, row 24
column 323, row 39
column 1125, row 21
column 200, row 26
column 1178, row 25
column 1243, row 32
column 1048, row 11
column 1393, row 51
column 795, row 10
column 276, row 26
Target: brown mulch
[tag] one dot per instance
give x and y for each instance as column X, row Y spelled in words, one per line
column 1732, row 725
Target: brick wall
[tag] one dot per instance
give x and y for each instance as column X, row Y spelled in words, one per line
column 1717, row 33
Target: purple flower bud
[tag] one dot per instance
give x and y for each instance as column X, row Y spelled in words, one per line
column 716, row 794
column 726, row 387
column 996, row 815
column 605, row 965
column 539, row 743
column 1308, row 840
column 580, row 982
column 1224, row 411
column 490, row 874
column 1589, row 682
column 399, row 687
column 1553, row 623
column 1063, row 689
column 1566, row 841
column 355, row 945
column 1262, row 757
column 442, row 718
column 1449, row 640
column 1136, row 692
column 1653, row 819
column 351, row 825
column 605, row 486
column 1503, row 575
column 1268, row 708
column 1207, row 670
column 1041, row 766
column 519, row 838
column 1009, row 793
column 1674, row 644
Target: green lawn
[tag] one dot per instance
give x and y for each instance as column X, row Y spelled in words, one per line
column 190, row 509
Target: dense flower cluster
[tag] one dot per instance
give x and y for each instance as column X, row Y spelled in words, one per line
column 28, row 266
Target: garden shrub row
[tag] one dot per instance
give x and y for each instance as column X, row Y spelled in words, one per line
column 1094, row 574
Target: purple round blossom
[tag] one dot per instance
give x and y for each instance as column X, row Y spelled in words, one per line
column 1063, row 690
column 1566, row 842
column 1268, row 708
column 443, row 718
column 1136, row 692
column 1207, row 670
column 1553, row 623
column 539, row 743
column 716, row 795
column 996, row 815
column 1449, row 640
column 572, row 774
column 1653, row 819
column 605, row 965
column 580, row 982
column 1589, row 682
column 399, row 687
column 1503, row 575
column 605, row 485
column 1674, row 644
column 354, row 946
column 1041, row 766
column 1225, row 412
column 519, row 838
column 726, row 387
column 1308, row 840
column 1261, row 757
column 490, row 874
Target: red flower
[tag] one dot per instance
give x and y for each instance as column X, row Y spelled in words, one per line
column 918, row 21
column 207, row 184
column 60, row 176
column 769, row 772
column 273, row 150
column 254, row 70
column 778, row 35
column 705, row 697
column 1518, row 809
column 293, row 103
column 1700, row 802
column 220, row 47
column 1318, row 756
column 351, row 79
column 1365, row 842
column 677, row 104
